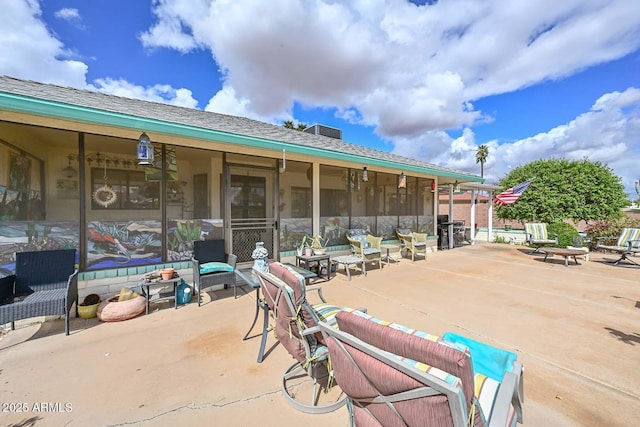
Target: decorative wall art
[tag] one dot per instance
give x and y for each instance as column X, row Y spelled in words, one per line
column 19, row 172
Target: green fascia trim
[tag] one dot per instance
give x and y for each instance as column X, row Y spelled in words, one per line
column 60, row 110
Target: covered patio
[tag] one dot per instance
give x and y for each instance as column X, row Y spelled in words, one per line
column 575, row 329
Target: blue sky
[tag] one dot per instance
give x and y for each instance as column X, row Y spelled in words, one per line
column 431, row 80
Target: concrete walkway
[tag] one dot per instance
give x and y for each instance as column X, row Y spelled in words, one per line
column 576, row 329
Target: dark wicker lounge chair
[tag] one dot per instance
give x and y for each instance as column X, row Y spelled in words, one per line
column 45, row 284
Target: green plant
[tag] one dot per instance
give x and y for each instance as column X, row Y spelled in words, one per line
column 565, row 232
column 315, row 242
column 500, row 239
column 184, row 234
column 609, row 229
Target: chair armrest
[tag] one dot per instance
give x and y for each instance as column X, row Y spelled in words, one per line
column 503, row 399
column 633, row 244
column 6, row 288
column 310, row 331
column 420, row 237
column 72, row 288
column 195, row 264
column 356, row 245
column 318, row 289
column 600, row 240
column 374, row 241
column 231, row 260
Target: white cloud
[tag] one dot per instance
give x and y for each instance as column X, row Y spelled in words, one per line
column 69, row 14
column 46, row 60
column 156, row 93
column 609, row 132
column 398, row 67
column 49, row 61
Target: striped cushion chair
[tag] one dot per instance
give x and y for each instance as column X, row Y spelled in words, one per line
column 397, row 376
column 536, row 235
column 628, row 243
column 285, row 293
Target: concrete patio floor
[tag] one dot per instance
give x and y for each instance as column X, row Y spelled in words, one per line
column 576, row 329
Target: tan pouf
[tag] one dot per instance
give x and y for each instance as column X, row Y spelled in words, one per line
column 112, row 310
column 583, row 249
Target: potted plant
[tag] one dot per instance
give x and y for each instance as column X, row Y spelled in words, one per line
column 89, row 306
column 317, row 243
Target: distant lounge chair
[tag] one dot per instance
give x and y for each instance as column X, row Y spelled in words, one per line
column 628, row 243
column 537, row 235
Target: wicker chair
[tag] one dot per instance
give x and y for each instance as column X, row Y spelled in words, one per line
column 365, row 245
column 222, row 271
column 416, row 243
column 45, row 284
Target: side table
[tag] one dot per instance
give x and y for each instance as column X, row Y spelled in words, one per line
column 307, row 262
column 147, row 285
column 390, row 246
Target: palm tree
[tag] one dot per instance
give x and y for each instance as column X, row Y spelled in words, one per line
column 481, row 157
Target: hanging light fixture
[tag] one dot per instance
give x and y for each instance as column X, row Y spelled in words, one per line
column 402, row 180
column 69, row 171
column 365, row 175
column 433, row 186
column 144, row 150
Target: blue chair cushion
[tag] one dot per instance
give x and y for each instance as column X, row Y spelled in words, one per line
column 362, row 239
column 370, row 251
column 487, row 360
column 215, row 267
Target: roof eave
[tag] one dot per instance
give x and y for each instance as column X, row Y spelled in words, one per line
column 59, row 110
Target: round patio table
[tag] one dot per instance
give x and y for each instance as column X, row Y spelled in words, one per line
column 563, row 252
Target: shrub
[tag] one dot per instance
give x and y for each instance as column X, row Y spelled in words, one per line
column 566, row 233
column 610, row 229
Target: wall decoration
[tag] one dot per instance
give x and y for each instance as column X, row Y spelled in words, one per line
column 19, row 172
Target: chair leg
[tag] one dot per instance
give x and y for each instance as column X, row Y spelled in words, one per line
column 296, row 371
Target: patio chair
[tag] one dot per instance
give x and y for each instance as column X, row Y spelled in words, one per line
column 45, row 284
column 537, row 235
column 212, row 266
column 628, row 243
column 296, row 321
column 396, row 376
column 365, row 245
column 415, row 243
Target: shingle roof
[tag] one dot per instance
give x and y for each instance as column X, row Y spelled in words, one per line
column 193, row 118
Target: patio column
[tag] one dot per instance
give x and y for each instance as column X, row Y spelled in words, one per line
column 473, row 217
column 490, row 218
column 450, row 226
column 315, row 197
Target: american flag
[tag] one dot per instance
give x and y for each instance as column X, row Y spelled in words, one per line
column 508, row 197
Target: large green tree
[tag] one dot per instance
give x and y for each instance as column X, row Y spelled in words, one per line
column 564, row 189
